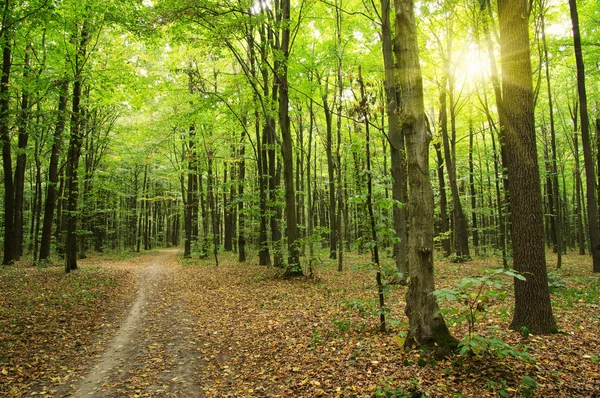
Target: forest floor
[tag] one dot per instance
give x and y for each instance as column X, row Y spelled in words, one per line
column 160, row 326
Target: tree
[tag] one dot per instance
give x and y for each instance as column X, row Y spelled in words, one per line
column 588, row 161
column 427, row 327
column 532, row 299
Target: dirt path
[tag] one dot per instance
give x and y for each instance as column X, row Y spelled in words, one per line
column 153, row 352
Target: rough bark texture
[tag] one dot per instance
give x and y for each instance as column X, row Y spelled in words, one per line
column 588, row 161
column 52, row 194
column 427, row 327
column 532, row 299
column 396, row 140
column 293, row 266
column 21, row 163
column 9, row 189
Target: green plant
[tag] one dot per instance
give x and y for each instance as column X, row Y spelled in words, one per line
column 386, row 390
column 555, row 281
column 475, row 293
column 528, row 386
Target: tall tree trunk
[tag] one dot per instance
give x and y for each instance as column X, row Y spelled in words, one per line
column 74, row 153
column 333, row 227
column 52, row 193
column 241, row 214
column 444, row 221
column 10, row 250
column 557, row 214
column 364, row 107
column 21, row 164
column 532, row 298
column 588, row 162
column 281, row 76
column 460, row 237
column 396, row 139
column 472, row 191
column 191, row 201
column 210, row 195
column 427, row 327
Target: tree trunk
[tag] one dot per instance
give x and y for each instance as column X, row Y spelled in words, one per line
column 191, row 201
column 588, row 162
column 427, row 327
column 472, row 191
column 52, row 194
column 21, row 164
column 557, row 214
column 396, row 139
column 460, row 237
column 74, row 153
column 444, row 221
column 241, row 215
column 281, row 77
column 10, row 252
column 333, row 227
column 532, row 299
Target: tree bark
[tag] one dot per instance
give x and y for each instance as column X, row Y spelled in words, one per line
column 10, row 253
column 557, row 213
column 473, row 194
column 396, row 140
column 21, row 164
column 588, row 162
column 52, row 194
column 333, row 227
column 532, row 298
column 281, row 76
column 427, row 327
column 444, row 221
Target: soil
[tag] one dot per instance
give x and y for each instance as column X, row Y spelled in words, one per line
column 153, row 352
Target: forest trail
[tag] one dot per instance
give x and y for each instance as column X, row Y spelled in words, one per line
column 152, row 353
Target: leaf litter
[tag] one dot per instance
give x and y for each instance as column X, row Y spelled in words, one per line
column 238, row 330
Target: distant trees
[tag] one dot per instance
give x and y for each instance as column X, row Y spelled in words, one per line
column 112, row 139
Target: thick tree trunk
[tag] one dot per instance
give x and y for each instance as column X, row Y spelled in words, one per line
column 52, row 194
column 588, row 162
column 532, row 299
column 427, row 327
column 396, row 139
column 281, row 76
column 10, row 252
column 21, row 164
column 72, row 184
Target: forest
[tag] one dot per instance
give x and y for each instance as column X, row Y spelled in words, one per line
column 300, row 198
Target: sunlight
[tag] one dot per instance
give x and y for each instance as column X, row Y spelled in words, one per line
column 470, row 66
column 259, row 5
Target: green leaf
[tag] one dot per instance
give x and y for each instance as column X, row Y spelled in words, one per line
column 529, row 381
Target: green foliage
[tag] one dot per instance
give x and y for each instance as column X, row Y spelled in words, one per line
column 555, row 281
column 474, row 293
column 386, row 390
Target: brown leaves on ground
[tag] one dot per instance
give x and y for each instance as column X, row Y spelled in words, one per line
column 237, row 330
column 49, row 321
